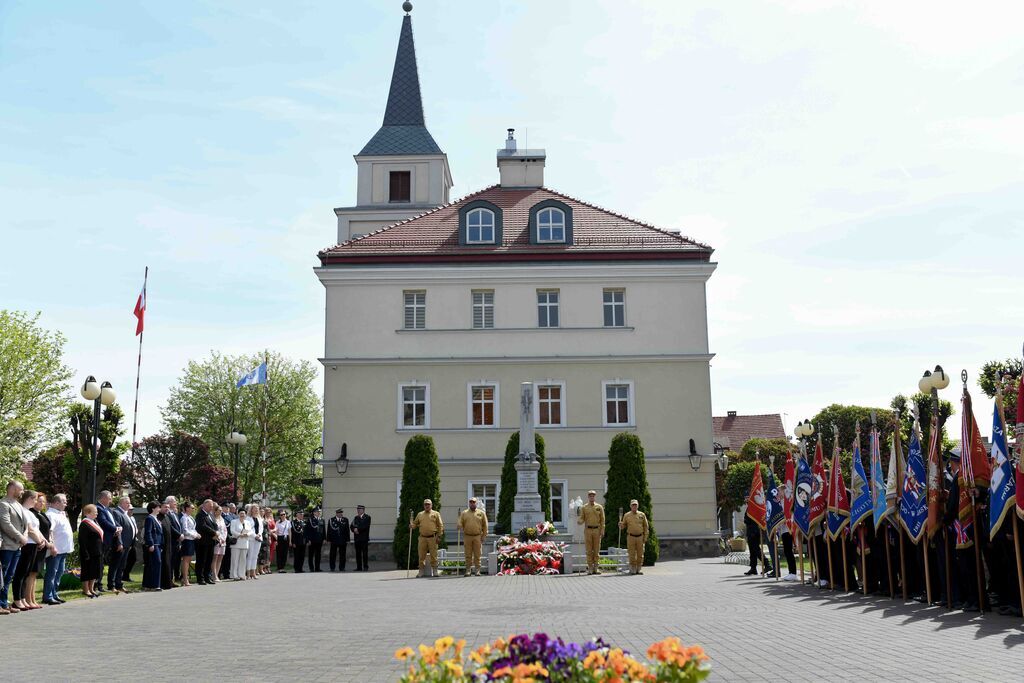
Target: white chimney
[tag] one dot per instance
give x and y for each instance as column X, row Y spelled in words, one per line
column 520, row 167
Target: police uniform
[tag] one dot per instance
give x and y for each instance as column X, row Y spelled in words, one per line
column 338, row 536
column 430, row 527
column 474, row 526
column 315, row 532
column 298, row 543
column 591, row 515
column 637, row 529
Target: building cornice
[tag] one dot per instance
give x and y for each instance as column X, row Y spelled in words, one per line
column 523, row 360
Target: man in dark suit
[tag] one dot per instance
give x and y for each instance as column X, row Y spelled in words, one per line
column 315, row 532
column 167, row 535
column 111, row 536
column 123, row 545
column 361, row 537
column 207, row 529
column 178, row 537
column 338, row 536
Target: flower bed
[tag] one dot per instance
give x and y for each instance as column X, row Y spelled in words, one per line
column 528, row 659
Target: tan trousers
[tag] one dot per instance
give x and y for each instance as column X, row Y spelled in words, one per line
column 593, row 538
column 473, row 544
column 635, row 545
column 428, row 546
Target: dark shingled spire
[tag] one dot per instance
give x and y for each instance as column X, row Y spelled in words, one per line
column 403, row 131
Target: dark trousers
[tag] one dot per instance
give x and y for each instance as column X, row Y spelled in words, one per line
column 754, row 544
column 316, row 551
column 26, row 563
column 787, row 549
column 225, row 565
column 204, row 562
column 176, row 561
column 341, row 550
column 282, row 555
column 362, row 559
column 151, row 573
column 115, row 568
column 107, row 551
column 299, row 552
column 129, row 563
column 166, row 569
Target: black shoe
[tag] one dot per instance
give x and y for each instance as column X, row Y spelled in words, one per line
column 750, row 572
column 50, row 602
column 971, row 607
column 60, row 601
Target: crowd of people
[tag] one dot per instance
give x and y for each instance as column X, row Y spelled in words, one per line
column 215, row 542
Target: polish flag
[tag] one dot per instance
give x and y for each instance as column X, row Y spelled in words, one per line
column 140, row 310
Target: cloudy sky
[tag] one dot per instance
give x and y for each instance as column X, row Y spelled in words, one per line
column 859, row 168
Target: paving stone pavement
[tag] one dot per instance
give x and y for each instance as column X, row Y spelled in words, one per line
column 346, row 627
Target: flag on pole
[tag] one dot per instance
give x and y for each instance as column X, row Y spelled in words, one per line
column 256, row 376
column 914, row 496
column 1002, row 490
column 936, row 500
column 974, row 461
column 788, row 489
column 140, row 310
column 756, row 507
column 1020, row 447
column 882, row 507
column 819, row 487
column 802, row 496
column 838, row 503
column 774, row 510
column 963, row 525
column 860, row 509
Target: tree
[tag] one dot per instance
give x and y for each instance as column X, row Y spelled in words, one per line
column 901, row 404
column 421, row 478
column 1008, row 373
column 48, row 471
column 162, row 463
column 33, row 388
column 78, row 454
column 208, row 481
column 846, row 417
column 627, row 479
column 767, row 447
column 285, row 412
column 510, row 483
column 736, row 487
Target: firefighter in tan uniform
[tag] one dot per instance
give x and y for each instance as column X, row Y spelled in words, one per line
column 473, row 523
column 637, row 528
column 431, row 527
column 591, row 516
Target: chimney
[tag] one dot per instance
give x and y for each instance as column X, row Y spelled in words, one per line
column 520, row 168
column 731, row 413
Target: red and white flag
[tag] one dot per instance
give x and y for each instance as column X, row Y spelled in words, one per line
column 140, row 310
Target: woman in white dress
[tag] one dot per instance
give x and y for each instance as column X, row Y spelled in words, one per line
column 253, row 553
column 241, row 531
column 221, row 544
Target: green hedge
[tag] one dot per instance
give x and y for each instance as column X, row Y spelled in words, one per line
column 421, row 478
column 627, row 479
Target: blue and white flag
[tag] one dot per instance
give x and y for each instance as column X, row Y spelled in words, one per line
column 773, row 497
column 802, row 495
column 1002, row 488
column 257, row 376
column 881, row 506
column 914, row 501
column 860, row 508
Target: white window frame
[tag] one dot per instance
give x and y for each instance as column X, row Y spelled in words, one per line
column 469, row 403
column 565, row 500
column 400, row 421
column 493, row 227
column 497, row 496
column 605, row 305
column 630, row 402
column 547, row 306
column 484, row 309
column 536, row 403
column 414, row 306
column 551, row 225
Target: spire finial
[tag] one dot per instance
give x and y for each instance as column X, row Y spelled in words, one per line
column 407, row 6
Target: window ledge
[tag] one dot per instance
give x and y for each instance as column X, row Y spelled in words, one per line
column 508, row 430
column 518, row 329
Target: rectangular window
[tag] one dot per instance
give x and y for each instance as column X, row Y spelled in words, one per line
column 486, row 494
column 614, row 308
column 415, row 310
column 483, row 405
column 617, row 403
column 558, row 502
column 400, row 186
column 549, row 405
column 547, row 308
column 415, row 405
column 483, row 309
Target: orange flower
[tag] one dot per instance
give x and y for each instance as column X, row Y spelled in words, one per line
column 459, row 646
column 442, row 644
column 429, row 655
column 404, row 653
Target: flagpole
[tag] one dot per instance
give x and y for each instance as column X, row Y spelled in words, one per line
column 263, row 455
column 828, row 549
column 1015, row 512
column 138, row 366
column 846, row 571
column 775, row 544
column 927, row 571
column 863, row 562
column 888, row 563
column 967, row 442
column 800, row 550
column 899, row 496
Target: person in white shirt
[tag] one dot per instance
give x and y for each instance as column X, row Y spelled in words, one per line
column 27, row 561
column 283, row 531
column 241, row 531
column 188, row 544
column 253, row 554
column 221, row 544
column 63, row 543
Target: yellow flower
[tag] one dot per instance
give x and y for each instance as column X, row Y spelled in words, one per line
column 454, row 667
column 442, row 644
column 428, row 654
column 459, row 646
column 404, row 653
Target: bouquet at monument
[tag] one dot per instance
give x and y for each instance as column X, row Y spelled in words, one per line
column 528, row 557
column 542, row 658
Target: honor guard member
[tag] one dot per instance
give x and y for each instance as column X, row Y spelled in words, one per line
column 637, row 530
column 338, row 536
column 361, row 538
column 315, row 533
column 431, row 527
column 591, row 515
column 473, row 523
column 298, row 540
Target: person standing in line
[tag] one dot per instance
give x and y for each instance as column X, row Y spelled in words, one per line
column 338, row 535
column 166, row 570
column 361, row 538
column 269, row 540
column 28, row 552
column 591, row 516
column 473, row 522
column 220, row 544
column 431, row 528
column 252, row 557
column 129, row 533
column 177, row 537
column 241, row 531
column 188, row 544
column 152, row 548
column 637, row 529
column 315, row 532
column 298, row 540
column 43, row 548
column 228, row 514
column 111, row 535
column 63, row 543
column 13, row 537
column 206, row 528
column 283, row 532
column 90, row 550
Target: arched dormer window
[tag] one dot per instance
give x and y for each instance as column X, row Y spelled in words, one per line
column 551, row 223
column 479, row 223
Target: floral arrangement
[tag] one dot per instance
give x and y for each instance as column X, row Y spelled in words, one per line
column 530, row 533
column 529, row 659
column 536, row 557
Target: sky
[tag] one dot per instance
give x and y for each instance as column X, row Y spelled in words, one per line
column 858, row 168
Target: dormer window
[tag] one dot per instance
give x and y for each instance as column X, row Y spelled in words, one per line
column 480, row 226
column 550, row 225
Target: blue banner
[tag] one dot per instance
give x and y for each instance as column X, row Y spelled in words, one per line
column 860, row 508
column 914, row 501
column 773, row 499
column 1002, row 488
column 802, row 495
column 257, row 376
column 880, row 507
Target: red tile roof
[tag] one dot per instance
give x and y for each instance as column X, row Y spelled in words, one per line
column 597, row 234
column 733, row 431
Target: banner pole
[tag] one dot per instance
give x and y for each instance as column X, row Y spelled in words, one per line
column 1016, row 554
column 138, row 367
column 775, row 544
column 927, row 571
column 800, row 550
column 863, row 562
column 888, row 563
column 846, row 571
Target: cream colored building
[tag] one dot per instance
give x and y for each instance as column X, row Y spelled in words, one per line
column 434, row 321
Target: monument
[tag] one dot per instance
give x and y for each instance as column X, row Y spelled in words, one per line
column 527, row 509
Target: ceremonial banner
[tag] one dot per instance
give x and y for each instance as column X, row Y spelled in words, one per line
column 860, row 509
column 756, row 507
column 775, row 513
column 802, row 496
column 935, row 488
column 1002, row 489
column 788, row 490
column 1020, row 450
column 974, row 461
column 838, row 503
column 882, row 507
column 963, row 525
column 914, row 496
column 819, row 487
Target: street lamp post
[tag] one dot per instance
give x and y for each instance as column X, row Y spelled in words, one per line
column 236, row 439
column 804, row 430
column 930, row 383
column 99, row 394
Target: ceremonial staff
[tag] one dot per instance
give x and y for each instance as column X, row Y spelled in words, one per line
column 458, row 544
column 1019, row 473
column 408, row 554
column 876, row 447
column 620, row 529
column 967, row 469
column 924, row 538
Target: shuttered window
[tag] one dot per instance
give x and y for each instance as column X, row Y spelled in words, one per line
column 483, row 309
column 400, row 187
column 415, row 310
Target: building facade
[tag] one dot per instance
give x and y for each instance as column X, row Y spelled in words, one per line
column 437, row 311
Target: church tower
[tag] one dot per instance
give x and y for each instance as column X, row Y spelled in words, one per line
column 401, row 171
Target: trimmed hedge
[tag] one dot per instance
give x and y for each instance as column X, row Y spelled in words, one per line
column 509, row 485
column 627, row 479
column 421, row 478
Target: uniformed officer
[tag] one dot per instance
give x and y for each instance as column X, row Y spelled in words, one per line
column 315, row 532
column 637, row 530
column 431, row 527
column 298, row 540
column 338, row 535
column 591, row 515
column 473, row 523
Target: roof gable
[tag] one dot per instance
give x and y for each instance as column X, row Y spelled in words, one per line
column 733, row 431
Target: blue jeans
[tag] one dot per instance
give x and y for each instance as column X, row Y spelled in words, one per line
column 8, row 562
column 54, row 571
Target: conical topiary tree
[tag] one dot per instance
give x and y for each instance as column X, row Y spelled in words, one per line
column 506, row 502
column 421, row 478
column 627, row 479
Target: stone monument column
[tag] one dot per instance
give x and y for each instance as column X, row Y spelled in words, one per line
column 527, row 510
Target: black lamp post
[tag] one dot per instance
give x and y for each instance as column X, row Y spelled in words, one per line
column 99, row 394
column 235, row 439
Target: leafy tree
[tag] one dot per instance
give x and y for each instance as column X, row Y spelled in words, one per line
column 846, row 417
column 627, row 479
column 737, row 483
column 1007, row 374
column 285, row 413
column 510, row 484
column 208, row 481
column 33, row 388
column 421, row 478
column 162, row 463
column 78, row 453
column 901, row 404
column 767, row 447
column 48, row 471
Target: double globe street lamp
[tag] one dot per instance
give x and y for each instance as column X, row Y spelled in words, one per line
column 99, row 394
column 803, row 430
column 236, row 439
